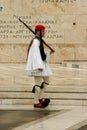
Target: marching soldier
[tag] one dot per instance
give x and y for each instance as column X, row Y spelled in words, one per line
column 37, row 66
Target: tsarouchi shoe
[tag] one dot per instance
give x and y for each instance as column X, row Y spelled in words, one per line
column 39, row 105
column 47, row 100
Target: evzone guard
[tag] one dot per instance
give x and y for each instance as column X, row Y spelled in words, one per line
column 37, row 66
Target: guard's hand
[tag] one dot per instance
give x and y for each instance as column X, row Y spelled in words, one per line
column 40, row 69
column 51, row 52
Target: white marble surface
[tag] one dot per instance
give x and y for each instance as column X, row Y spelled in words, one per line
column 70, row 118
column 72, row 115
column 67, row 87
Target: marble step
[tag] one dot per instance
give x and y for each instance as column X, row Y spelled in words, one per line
column 16, row 74
column 20, row 71
column 55, row 82
column 50, row 89
column 76, row 64
column 68, row 86
column 11, row 74
column 69, row 102
column 64, row 76
column 29, row 95
column 61, row 95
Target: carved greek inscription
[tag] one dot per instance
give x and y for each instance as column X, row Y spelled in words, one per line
column 57, row 1
column 14, row 29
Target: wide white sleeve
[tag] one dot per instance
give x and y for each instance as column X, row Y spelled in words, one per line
column 36, row 56
column 47, row 55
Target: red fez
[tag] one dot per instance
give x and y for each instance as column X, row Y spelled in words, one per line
column 39, row 27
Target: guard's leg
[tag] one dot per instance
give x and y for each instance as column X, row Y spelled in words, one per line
column 44, row 83
column 42, row 90
column 36, row 90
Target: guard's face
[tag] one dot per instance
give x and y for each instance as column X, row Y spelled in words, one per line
column 43, row 33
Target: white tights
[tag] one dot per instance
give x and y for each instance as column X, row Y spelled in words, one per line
column 39, row 92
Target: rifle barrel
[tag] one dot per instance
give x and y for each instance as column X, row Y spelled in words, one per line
column 34, row 33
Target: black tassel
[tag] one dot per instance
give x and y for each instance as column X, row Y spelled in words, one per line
column 42, row 85
column 33, row 90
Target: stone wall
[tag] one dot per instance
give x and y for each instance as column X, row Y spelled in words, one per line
column 66, row 28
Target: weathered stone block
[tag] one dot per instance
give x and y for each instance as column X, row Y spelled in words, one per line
column 66, row 28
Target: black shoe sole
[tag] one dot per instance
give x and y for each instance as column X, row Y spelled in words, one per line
column 45, row 104
column 47, row 100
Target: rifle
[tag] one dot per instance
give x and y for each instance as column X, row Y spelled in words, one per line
column 52, row 51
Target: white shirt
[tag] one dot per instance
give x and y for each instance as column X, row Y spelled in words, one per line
column 34, row 61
